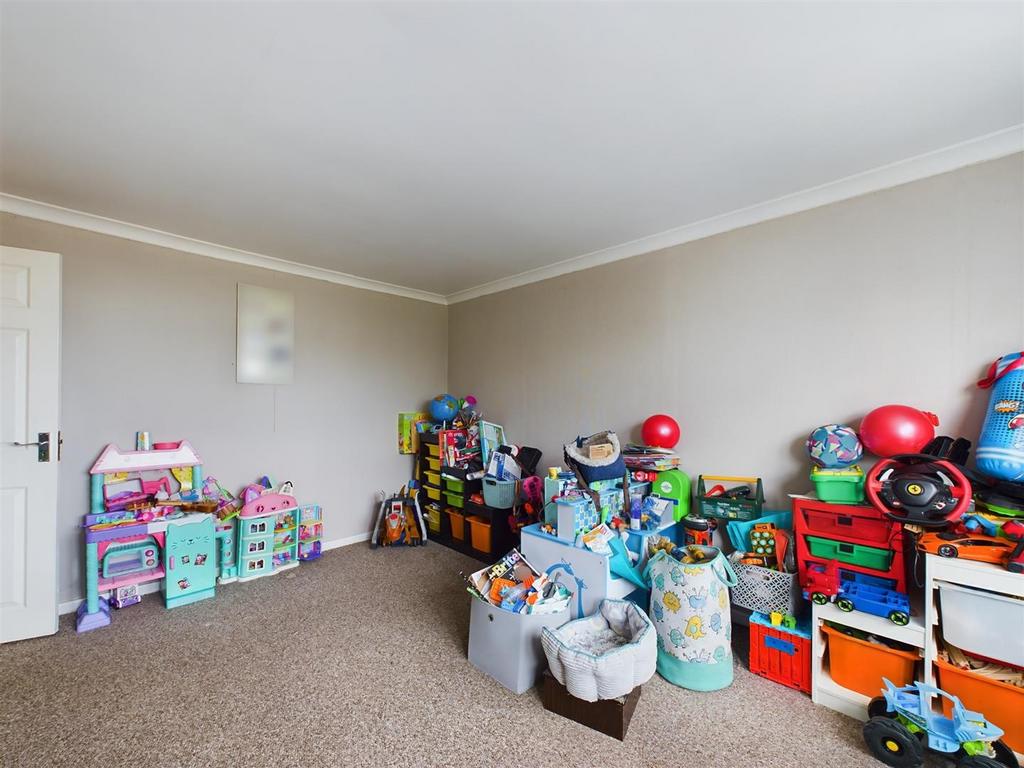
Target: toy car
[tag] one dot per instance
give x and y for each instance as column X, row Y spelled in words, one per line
column 969, row 546
column 902, row 724
column 856, row 591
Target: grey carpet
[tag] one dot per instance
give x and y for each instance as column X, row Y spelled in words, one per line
column 358, row 659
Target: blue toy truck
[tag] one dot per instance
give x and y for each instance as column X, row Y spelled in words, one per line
column 903, row 723
column 872, row 596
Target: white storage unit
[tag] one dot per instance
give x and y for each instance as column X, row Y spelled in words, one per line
column 506, row 645
column 943, row 571
column 826, row 691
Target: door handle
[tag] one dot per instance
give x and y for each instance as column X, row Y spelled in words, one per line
column 43, row 443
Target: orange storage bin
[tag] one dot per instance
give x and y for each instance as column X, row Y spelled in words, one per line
column 860, row 666
column 480, row 530
column 457, row 520
column 1000, row 703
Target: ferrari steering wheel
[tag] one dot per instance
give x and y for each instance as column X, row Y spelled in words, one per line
column 919, row 489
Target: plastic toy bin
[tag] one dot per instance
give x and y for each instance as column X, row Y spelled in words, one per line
column 839, row 486
column 433, row 449
column 455, row 499
column 506, row 645
column 434, row 519
column 983, row 623
column 780, row 654
column 457, row 520
column 434, row 478
column 764, row 590
column 860, row 666
column 1001, row 703
column 480, row 533
column 434, row 464
column 454, row 484
column 499, row 494
column 433, row 493
column 854, row 554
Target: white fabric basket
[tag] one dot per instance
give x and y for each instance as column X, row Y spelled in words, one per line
column 603, row 656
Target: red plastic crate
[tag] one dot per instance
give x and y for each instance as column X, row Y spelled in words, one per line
column 782, row 655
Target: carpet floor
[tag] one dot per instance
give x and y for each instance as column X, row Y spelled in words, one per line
column 357, row 659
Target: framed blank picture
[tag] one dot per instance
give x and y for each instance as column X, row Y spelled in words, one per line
column 265, row 340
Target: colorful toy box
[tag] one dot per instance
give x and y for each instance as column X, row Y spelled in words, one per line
column 781, row 654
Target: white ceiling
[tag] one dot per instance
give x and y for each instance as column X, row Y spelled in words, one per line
column 443, row 146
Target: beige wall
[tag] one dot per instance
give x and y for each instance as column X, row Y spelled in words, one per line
column 749, row 338
column 752, row 338
column 149, row 343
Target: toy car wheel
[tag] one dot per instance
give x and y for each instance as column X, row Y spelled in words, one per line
column 899, row 618
column 979, row 761
column 819, row 598
column 844, row 604
column 947, row 550
column 891, row 742
column 1004, row 754
column 878, row 707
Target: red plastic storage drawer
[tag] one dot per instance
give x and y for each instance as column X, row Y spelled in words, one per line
column 780, row 654
column 835, row 524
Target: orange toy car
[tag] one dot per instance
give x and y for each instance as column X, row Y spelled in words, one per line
column 969, row 546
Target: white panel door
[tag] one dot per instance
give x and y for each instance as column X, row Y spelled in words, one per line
column 29, row 405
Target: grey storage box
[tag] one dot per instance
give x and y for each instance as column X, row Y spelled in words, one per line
column 506, row 645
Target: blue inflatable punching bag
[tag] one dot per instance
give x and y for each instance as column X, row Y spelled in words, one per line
column 1000, row 452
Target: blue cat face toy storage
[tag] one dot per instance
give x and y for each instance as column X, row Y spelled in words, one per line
column 1000, row 452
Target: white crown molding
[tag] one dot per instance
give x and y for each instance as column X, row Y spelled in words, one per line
column 989, row 147
column 21, row 206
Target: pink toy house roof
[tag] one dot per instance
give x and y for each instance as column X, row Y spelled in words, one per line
column 113, row 459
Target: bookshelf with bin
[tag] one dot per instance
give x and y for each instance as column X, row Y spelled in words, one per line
column 446, row 501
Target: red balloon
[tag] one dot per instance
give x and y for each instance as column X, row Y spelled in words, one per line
column 893, row 429
column 661, row 431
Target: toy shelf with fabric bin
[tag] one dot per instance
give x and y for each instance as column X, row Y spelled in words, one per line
column 477, row 530
column 979, row 608
column 427, row 472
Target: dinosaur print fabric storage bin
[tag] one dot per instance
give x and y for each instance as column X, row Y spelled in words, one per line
column 690, row 610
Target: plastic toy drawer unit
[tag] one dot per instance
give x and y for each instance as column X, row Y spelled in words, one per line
column 854, row 554
column 846, row 522
column 781, row 654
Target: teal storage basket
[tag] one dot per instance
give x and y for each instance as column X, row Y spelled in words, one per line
column 499, row 494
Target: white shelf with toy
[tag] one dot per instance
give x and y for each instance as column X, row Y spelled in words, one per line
column 824, row 690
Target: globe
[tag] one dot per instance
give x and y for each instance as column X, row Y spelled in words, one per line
column 833, row 446
column 443, row 408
